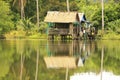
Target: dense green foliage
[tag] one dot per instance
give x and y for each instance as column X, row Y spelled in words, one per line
column 11, row 11
column 6, row 23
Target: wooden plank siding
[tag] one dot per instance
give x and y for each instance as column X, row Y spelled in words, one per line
column 54, row 31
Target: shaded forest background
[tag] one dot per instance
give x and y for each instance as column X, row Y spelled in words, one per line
column 11, row 23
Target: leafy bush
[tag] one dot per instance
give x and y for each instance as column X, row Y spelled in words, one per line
column 111, row 36
column 6, row 23
column 114, row 26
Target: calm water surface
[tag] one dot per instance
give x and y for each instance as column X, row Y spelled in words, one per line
column 24, row 59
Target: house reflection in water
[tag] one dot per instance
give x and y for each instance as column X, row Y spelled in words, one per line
column 60, row 62
column 72, row 54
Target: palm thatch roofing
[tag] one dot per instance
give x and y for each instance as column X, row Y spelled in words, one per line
column 63, row 17
column 60, row 62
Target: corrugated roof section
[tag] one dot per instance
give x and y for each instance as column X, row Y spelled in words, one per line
column 61, row 17
column 60, row 62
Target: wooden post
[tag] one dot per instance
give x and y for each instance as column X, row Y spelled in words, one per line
column 71, row 48
column 77, row 32
column 102, row 56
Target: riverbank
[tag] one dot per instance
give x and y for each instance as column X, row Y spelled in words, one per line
column 37, row 35
column 24, row 35
column 111, row 36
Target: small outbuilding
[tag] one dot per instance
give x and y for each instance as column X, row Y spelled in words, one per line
column 64, row 24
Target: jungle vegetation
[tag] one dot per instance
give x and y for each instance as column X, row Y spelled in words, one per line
column 18, row 18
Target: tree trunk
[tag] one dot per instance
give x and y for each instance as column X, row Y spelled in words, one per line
column 102, row 56
column 68, row 8
column 102, row 3
column 37, row 6
column 37, row 61
column 21, row 68
column 22, row 9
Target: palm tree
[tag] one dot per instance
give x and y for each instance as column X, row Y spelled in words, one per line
column 37, row 7
column 20, row 4
column 68, row 9
column 37, row 61
column 102, row 4
column 22, row 9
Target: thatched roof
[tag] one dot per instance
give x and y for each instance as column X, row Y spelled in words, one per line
column 62, row 17
column 60, row 62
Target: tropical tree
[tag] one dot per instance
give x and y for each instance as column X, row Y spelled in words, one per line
column 6, row 23
column 20, row 5
column 37, row 7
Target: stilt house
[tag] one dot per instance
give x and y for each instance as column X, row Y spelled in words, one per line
column 64, row 24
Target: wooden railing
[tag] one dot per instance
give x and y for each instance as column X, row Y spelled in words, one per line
column 58, row 31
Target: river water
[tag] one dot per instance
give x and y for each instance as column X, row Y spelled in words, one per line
column 25, row 59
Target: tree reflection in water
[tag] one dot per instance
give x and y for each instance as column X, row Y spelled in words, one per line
column 15, row 52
